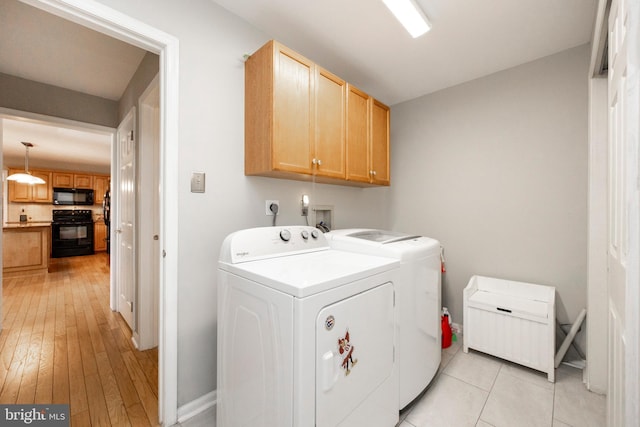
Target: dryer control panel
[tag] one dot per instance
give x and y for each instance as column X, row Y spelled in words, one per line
column 269, row 242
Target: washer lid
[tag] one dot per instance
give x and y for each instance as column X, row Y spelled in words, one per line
column 305, row 274
column 381, row 236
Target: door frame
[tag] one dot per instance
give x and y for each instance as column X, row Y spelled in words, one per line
column 125, row 28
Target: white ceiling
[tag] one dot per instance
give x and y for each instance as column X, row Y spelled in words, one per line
column 361, row 41
column 38, row 46
column 55, row 146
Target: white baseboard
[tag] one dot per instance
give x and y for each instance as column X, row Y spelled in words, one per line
column 197, row 406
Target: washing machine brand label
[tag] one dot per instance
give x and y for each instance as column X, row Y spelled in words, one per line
column 346, row 351
column 329, row 322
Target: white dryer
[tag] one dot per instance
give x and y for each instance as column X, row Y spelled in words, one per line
column 418, row 300
column 306, row 333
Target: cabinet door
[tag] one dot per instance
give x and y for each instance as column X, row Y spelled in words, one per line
column 357, row 135
column 330, row 125
column 99, row 236
column 100, row 186
column 379, row 143
column 39, row 193
column 18, row 192
column 62, row 179
column 83, row 181
column 293, row 133
column 42, row 193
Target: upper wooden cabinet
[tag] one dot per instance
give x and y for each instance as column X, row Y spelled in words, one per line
column 379, row 154
column 329, row 150
column 296, row 120
column 367, row 138
column 43, row 193
column 279, row 99
column 72, row 180
column 27, row 193
column 100, row 186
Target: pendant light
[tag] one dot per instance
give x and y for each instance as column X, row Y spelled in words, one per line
column 26, row 177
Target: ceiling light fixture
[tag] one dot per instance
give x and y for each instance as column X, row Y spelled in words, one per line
column 410, row 16
column 26, row 177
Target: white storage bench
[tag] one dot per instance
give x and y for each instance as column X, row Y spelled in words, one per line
column 511, row 320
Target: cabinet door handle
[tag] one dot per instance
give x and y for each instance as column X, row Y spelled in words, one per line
column 372, row 173
column 316, row 162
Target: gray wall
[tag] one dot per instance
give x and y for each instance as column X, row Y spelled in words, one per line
column 496, row 169
column 26, row 95
column 212, row 45
column 147, row 70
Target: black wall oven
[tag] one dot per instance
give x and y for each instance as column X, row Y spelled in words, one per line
column 71, row 233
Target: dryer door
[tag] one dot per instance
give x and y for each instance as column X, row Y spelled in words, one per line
column 355, row 377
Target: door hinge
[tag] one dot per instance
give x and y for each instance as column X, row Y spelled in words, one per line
column 164, row 254
column 131, row 135
column 394, row 297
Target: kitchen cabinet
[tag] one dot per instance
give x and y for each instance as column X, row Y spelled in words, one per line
column 99, row 236
column 100, row 186
column 367, row 138
column 25, row 248
column 279, row 101
column 329, row 150
column 357, row 135
column 72, row 180
column 30, row 193
column 297, row 123
column 380, row 119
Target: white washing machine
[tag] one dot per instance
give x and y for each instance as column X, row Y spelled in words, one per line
column 418, row 300
column 306, row 333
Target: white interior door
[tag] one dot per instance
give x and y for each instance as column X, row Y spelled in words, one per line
column 125, row 238
column 617, row 216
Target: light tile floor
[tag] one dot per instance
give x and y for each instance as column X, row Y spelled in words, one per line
column 474, row 389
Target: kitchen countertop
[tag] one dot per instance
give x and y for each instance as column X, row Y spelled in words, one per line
column 29, row 224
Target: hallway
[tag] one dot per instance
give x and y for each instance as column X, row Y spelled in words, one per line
column 61, row 343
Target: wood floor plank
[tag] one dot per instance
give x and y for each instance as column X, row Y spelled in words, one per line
column 147, row 397
column 125, row 384
column 117, row 411
column 137, row 416
column 97, row 405
column 60, row 370
column 81, row 419
column 77, row 389
column 61, row 343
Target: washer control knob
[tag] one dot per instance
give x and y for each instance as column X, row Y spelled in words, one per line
column 314, row 234
column 304, row 234
column 285, row 235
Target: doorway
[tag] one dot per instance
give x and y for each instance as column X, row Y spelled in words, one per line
column 117, row 25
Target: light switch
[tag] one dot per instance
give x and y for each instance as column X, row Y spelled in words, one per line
column 197, row 182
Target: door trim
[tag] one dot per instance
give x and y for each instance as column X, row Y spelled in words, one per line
column 116, row 24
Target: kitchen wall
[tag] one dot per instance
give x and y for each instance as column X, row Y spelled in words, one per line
column 212, row 45
column 496, row 169
column 26, row 95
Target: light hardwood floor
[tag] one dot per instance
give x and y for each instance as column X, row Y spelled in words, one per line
column 61, row 343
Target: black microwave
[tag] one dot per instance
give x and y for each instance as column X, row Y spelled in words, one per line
column 72, row 196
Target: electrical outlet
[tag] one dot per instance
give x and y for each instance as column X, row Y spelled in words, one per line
column 267, row 206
